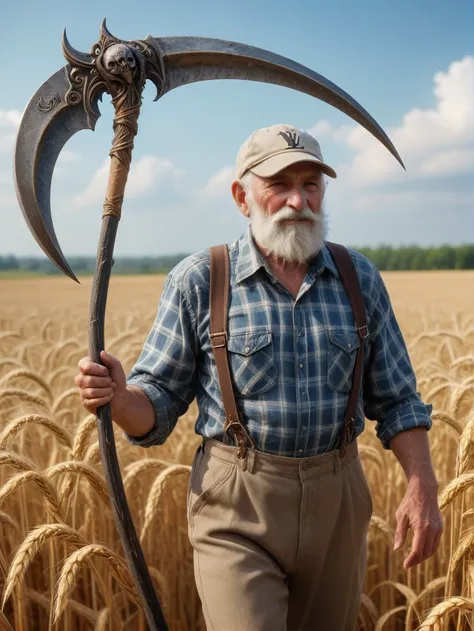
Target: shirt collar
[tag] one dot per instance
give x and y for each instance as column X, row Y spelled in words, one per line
column 250, row 260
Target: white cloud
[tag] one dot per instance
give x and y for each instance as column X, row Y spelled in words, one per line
column 219, row 183
column 431, row 142
column 9, row 121
column 145, row 173
column 10, row 118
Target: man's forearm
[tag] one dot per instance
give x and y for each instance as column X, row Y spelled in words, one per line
column 411, row 448
column 136, row 416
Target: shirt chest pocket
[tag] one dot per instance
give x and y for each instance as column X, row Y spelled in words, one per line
column 342, row 351
column 252, row 362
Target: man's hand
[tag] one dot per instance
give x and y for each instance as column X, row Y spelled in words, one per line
column 99, row 384
column 419, row 511
column 419, row 508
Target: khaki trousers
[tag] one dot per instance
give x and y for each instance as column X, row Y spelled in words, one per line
column 279, row 545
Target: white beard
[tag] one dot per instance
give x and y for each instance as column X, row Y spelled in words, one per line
column 296, row 243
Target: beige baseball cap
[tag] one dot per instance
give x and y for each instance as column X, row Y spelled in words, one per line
column 270, row 149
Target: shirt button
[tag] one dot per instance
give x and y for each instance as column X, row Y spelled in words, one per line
column 303, row 392
column 300, row 451
column 301, row 364
column 247, row 349
column 300, row 333
column 305, row 428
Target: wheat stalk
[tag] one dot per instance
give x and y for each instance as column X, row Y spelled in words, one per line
column 432, row 586
column 14, row 427
column 24, row 395
column 81, row 610
column 440, row 415
column 465, row 449
column 382, row 526
column 4, row 624
column 133, row 470
column 464, row 547
column 5, row 518
column 82, row 437
column 29, row 374
column 81, row 468
column 30, row 547
column 45, row 487
column 366, row 452
column 446, row 609
column 368, row 606
column 156, row 492
column 387, row 615
column 72, row 567
column 63, row 397
column 18, row 462
column 454, row 488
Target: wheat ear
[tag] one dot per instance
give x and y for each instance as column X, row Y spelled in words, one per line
column 81, row 468
column 454, row 488
column 445, row 609
column 23, row 394
column 465, row 449
column 14, row 427
column 44, row 485
column 30, row 547
column 73, row 565
column 136, row 468
column 156, row 492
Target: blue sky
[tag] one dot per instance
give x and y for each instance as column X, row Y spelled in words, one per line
column 410, row 64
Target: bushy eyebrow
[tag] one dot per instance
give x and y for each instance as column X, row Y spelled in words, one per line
column 304, row 176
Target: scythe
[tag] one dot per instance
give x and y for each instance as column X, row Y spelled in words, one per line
column 66, row 103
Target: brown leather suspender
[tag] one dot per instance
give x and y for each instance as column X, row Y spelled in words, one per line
column 219, row 302
column 350, row 281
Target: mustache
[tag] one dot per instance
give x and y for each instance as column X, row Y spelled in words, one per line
column 290, row 214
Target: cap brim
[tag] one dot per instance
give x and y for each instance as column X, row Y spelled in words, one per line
column 273, row 165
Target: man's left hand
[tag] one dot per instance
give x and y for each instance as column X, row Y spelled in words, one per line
column 419, row 511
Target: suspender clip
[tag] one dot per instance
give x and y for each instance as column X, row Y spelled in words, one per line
column 219, row 340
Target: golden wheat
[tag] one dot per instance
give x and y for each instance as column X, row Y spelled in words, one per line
column 81, row 468
column 56, row 467
column 73, row 565
column 456, row 487
column 30, row 548
column 445, row 610
column 42, row 483
column 14, row 428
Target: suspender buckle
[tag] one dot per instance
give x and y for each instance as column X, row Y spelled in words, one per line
column 363, row 332
column 219, row 340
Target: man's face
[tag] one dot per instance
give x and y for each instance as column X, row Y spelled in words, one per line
column 286, row 212
column 299, row 186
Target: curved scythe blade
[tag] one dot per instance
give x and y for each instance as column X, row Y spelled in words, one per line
column 49, row 120
column 191, row 59
column 47, row 124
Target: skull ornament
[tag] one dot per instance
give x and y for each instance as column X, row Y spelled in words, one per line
column 120, row 61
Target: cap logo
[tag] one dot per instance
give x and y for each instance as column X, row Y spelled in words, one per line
column 292, row 139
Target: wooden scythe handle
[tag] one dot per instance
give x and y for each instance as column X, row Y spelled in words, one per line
column 125, row 126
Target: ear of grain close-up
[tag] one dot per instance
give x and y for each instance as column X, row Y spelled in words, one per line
column 61, row 560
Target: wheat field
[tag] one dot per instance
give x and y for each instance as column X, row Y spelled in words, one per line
column 61, row 563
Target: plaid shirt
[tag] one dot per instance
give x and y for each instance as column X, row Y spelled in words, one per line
column 291, row 360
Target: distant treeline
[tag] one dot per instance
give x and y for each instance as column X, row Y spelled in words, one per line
column 385, row 257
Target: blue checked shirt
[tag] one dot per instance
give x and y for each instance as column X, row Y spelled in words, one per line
column 291, row 360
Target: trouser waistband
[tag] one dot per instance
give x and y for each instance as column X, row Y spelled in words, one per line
column 329, row 462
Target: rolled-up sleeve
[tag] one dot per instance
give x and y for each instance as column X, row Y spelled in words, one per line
column 390, row 395
column 166, row 367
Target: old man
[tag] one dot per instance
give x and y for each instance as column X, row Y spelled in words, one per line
column 278, row 504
